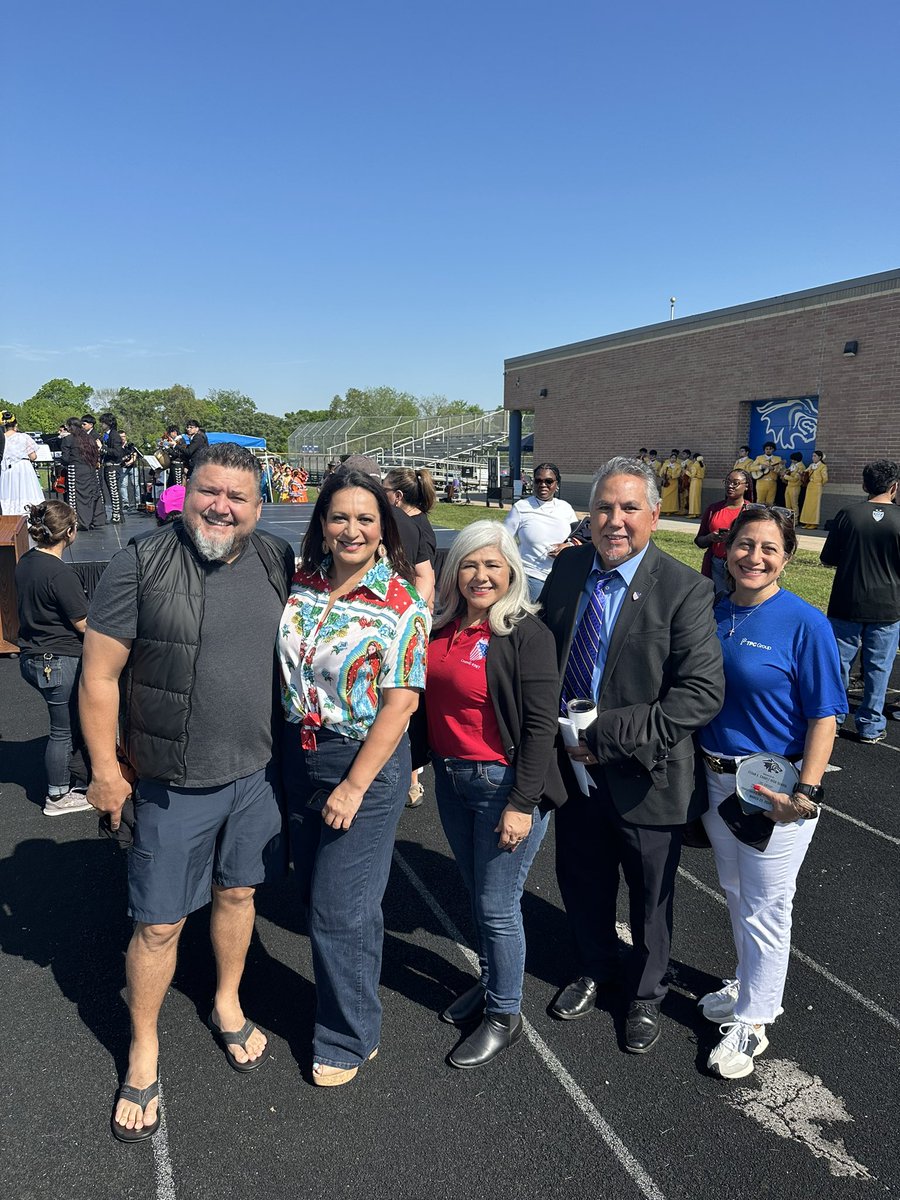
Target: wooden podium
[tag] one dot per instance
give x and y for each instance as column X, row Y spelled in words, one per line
column 13, row 544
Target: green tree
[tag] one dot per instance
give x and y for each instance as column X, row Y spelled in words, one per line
column 52, row 403
column 384, row 403
column 440, row 406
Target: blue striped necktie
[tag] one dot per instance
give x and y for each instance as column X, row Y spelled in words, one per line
column 578, row 679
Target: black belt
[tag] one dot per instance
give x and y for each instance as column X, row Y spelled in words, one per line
column 729, row 766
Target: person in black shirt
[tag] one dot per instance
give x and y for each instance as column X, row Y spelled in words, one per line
column 129, row 472
column 111, row 464
column 864, row 607
column 52, row 611
column 198, row 442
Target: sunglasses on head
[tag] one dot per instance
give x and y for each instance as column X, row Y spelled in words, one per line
column 770, row 508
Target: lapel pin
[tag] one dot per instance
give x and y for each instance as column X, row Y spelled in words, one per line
column 635, row 595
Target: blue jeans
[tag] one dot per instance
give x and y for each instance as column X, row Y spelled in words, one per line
column 343, row 875
column 470, row 798
column 60, row 693
column 879, row 648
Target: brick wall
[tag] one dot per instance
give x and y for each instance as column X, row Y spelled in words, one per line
column 694, row 388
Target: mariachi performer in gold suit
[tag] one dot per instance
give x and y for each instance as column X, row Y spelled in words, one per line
column 817, row 477
column 793, row 481
column 684, row 483
column 743, row 462
column 669, row 475
column 697, row 469
column 764, row 470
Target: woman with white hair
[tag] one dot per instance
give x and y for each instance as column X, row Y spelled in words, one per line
column 492, row 702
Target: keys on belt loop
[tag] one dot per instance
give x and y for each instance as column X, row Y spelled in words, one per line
column 48, row 666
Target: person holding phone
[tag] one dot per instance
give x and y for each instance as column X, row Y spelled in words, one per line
column 717, row 519
column 783, row 692
column 352, row 647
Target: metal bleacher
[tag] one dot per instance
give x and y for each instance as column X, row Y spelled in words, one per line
column 447, row 445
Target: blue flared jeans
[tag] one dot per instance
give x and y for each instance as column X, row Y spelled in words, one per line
column 470, row 798
column 343, row 875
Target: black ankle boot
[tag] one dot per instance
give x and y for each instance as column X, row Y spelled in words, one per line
column 465, row 1008
column 498, row 1031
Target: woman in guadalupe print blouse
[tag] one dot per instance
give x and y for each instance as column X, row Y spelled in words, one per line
column 352, row 649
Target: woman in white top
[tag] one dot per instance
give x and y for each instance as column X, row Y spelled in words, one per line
column 541, row 525
column 19, row 485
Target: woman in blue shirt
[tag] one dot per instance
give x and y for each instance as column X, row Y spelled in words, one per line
column 782, row 694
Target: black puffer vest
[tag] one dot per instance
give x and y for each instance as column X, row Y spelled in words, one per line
column 160, row 676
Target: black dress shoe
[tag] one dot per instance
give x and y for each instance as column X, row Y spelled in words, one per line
column 641, row 1027
column 576, row 1000
column 497, row 1032
column 465, row 1008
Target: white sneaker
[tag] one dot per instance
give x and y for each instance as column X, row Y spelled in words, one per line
column 718, row 1007
column 734, row 1055
column 68, row 802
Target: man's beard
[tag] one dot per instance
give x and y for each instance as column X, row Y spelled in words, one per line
column 213, row 549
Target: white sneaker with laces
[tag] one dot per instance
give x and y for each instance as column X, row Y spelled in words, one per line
column 734, row 1055
column 719, row 1006
column 68, row 802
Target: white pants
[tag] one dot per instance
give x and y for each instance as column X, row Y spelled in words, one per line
column 759, row 888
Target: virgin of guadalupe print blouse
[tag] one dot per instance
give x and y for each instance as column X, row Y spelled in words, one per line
column 333, row 667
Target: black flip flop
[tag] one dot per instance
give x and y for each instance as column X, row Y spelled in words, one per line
column 236, row 1039
column 141, row 1096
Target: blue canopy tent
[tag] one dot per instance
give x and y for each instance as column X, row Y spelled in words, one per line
column 241, row 439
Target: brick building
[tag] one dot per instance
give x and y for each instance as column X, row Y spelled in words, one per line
column 824, row 362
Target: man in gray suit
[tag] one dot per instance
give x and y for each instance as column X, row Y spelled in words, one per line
column 635, row 633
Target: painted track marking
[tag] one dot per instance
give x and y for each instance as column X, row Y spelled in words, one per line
column 866, row 1003
column 580, row 1098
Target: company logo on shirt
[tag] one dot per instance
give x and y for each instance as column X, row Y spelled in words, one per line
column 878, row 514
column 754, row 645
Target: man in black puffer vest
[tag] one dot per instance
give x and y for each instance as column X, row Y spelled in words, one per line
column 182, row 630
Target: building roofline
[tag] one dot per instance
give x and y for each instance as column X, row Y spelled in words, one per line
column 831, row 293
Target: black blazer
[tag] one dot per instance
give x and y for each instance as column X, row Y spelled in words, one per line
column 523, row 684
column 662, row 681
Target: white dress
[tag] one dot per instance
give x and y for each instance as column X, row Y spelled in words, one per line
column 19, row 484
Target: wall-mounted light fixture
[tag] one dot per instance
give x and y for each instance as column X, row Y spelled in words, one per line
column 850, row 349
column 543, row 393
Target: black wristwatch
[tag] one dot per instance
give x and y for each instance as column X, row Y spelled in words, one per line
column 812, row 791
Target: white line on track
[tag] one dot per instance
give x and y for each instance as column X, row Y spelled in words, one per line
column 861, row 824
column 162, row 1163
column 868, row 1004
column 580, row 1098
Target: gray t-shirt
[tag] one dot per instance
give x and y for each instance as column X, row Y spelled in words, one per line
column 230, row 723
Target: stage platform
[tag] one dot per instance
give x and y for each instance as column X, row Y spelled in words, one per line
column 93, row 548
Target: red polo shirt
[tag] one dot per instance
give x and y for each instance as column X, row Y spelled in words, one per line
column 461, row 720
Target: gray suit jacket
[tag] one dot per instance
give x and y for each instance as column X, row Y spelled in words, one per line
column 662, row 681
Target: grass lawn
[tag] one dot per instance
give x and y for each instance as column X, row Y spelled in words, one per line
column 806, row 576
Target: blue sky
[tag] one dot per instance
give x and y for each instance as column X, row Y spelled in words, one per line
column 292, row 199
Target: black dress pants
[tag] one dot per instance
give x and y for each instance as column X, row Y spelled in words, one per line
column 592, row 843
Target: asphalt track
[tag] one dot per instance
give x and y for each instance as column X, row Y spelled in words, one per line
column 564, row 1114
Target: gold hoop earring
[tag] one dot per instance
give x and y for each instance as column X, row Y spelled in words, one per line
column 382, row 550
column 324, row 546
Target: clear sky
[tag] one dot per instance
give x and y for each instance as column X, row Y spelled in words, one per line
column 294, row 198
